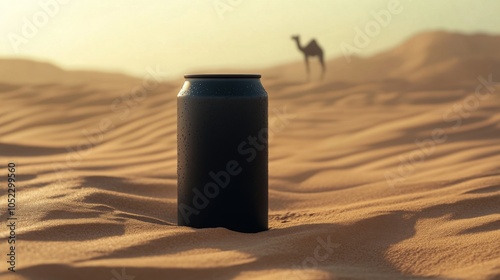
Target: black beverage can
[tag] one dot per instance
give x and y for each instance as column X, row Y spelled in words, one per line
column 222, row 152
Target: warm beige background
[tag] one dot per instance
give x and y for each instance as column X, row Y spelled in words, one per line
column 180, row 36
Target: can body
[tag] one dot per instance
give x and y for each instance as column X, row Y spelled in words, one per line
column 222, row 151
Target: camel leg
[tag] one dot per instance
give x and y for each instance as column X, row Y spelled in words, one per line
column 323, row 68
column 307, row 66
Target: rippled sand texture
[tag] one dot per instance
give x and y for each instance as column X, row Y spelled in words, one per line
column 110, row 211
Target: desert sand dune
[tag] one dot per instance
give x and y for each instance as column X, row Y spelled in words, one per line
column 97, row 205
column 22, row 71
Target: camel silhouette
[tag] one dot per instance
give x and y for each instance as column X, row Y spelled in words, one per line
column 311, row 49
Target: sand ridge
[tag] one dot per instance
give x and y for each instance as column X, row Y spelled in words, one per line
column 110, row 209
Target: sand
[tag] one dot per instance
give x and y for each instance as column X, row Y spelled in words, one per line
column 387, row 169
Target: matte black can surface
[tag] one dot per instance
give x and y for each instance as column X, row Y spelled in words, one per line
column 222, row 152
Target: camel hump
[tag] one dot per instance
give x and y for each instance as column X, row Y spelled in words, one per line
column 313, row 45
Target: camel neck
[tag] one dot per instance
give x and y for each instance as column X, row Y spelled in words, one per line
column 298, row 43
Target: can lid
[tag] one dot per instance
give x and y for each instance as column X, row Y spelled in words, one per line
column 223, row 76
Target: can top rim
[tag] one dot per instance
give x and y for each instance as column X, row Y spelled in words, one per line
column 222, row 76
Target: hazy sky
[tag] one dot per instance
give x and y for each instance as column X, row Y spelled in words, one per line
column 182, row 35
